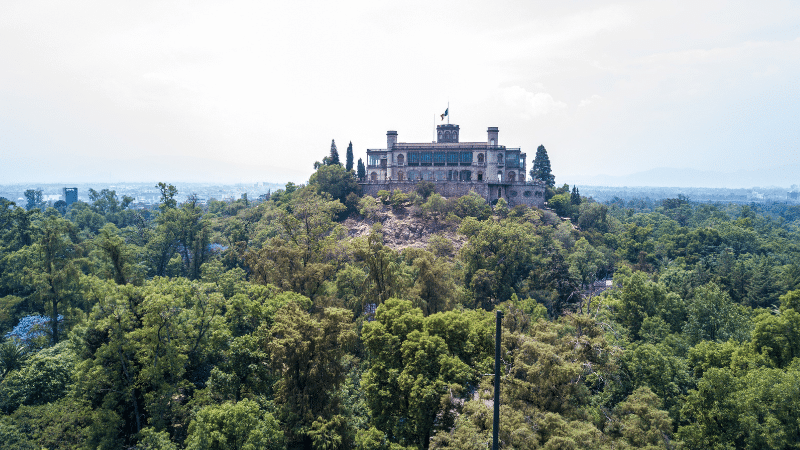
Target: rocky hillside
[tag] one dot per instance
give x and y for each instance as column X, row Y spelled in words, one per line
column 401, row 228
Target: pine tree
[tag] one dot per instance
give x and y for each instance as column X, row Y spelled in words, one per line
column 334, row 157
column 575, row 197
column 541, row 168
column 362, row 170
column 348, row 164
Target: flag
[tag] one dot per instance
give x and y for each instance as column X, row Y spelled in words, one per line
column 445, row 113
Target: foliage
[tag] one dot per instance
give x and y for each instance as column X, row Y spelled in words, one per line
column 279, row 324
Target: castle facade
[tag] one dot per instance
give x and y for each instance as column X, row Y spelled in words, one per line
column 455, row 168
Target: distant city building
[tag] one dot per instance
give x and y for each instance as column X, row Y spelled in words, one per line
column 70, row 195
column 455, row 168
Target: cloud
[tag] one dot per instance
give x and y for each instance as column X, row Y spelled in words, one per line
column 531, row 105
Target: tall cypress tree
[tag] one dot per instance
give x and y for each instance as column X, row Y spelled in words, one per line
column 334, row 157
column 362, row 170
column 348, row 158
column 575, row 197
column 541, row 168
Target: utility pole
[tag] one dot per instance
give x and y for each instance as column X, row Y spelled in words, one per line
column 496, row 422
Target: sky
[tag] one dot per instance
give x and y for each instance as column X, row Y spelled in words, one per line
column 241, row 91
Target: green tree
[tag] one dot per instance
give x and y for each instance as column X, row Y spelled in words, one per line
column 413, row 371
column 362, row 170
column 305, row 253
column 713, row 316
column 348, row 165
column 541, row 168
column 168, row 193
column 335, row 181
column 56, row 284
column 333, row 157
column 34, row 199
column 575, row 196
column 307, row 353
column 241, row 426
column 584, row 262
column 498, row 258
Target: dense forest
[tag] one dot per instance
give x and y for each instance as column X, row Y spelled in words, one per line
column 275, row 324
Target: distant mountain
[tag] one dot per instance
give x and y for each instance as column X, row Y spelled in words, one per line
column 784, row 176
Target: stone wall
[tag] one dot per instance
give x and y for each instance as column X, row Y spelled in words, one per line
column 513, row 193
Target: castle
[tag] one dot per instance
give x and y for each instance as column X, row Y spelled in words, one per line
column 455, row 168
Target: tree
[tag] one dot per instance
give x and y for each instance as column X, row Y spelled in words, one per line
column 418, row 364
column 498, row 258
column 307, row 353
column 362, row 170
column 335, row 181
column 168, row 193
column 34, row 198
column 575, row 197
column 57, row 281
column 584, row 262
column 541, row 168
column 238, row 426
column 348, row 165
column 333, row 158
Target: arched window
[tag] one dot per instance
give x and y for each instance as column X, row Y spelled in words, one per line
column 500, row 158
column 491, row 142
column 511, row 176
column 480, row 157
column 499, row 176
column 480, row 176
column 400, row 159
column 373, row 176
column 401, row 176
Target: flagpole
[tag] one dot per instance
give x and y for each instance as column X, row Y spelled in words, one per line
column 448, row 112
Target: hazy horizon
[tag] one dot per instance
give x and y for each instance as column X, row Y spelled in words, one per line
column 230, row 92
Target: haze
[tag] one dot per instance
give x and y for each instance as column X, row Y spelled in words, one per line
column 98, row 91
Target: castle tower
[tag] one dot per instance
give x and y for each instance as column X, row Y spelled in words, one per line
column 492, row 132
column 447, row 133
column 391, row 139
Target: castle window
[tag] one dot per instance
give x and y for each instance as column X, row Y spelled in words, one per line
column 452, row 158
column 480, row 176
column 465, row 175
column 500, row 158
column 491, row 142
column 538, row 194
column 500, row 176
column 400, row 175
column 413, row 175
column 373, row 176
column 511, row 176
column 439, row 158
column 400, row 160
column 427, row 158
column 413, row 159
column 466, row 157
column 441, row 175
column 514, row 193
column 480, row 158
column 527, row 193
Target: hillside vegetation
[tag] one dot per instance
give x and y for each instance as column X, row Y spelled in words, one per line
column 320, row 319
